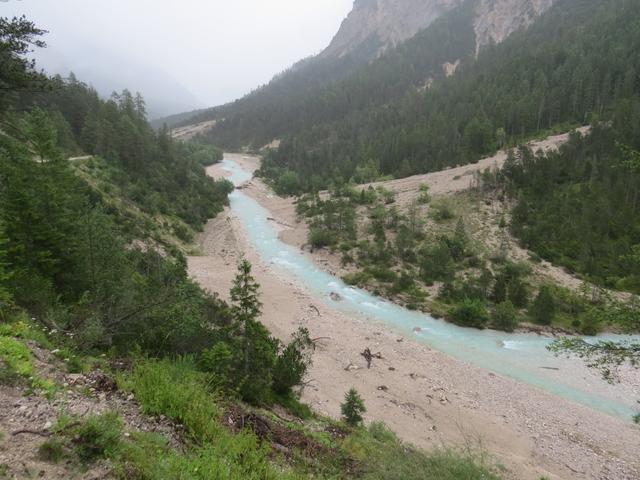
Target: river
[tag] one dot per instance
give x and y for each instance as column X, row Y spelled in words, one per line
column 521, row 356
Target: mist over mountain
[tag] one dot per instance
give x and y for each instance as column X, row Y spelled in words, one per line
column 383, row 50
column 179, row 55
column 107, row 73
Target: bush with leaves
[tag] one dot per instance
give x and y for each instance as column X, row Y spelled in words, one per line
column 470, row 313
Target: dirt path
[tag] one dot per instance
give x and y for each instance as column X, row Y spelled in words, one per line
column 427, row 397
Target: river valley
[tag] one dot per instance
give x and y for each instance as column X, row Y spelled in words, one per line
column 437, row 384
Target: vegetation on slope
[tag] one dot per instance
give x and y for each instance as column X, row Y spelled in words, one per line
column 560, row 71
column 67, row 261
column 453, row 256
column 590, row 189
column 323, row 89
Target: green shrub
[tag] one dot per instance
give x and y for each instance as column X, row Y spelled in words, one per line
column 96, row 437
column 219, row 361
column 357, row 278
column 182, row 232
column 382, row 274
column 442, row 211
column 470, row 313
column 292, row 363
column 424, row 198
column 52, row 450
column 590, row 323
column 404, row 282
column 320, row 238
column 505, row 316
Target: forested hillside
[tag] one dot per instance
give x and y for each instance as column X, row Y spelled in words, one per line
column 560, row 71
column 63, row 244
column 83, row 296
column 590, row 189
column 156, row 173
column 327, row 88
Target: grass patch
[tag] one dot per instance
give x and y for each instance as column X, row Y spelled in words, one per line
column 147, row 456
column 53, row 450
column 97, row 437
column 16, row 365
column 384, row 457
column 21, row 327
column 175, row 389
column 84, row 440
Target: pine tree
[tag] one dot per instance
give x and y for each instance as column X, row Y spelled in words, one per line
column 17, row 37
column 543, row 309
column 505, row 316
column 259, row 349
column 246, row 305
column 458, row 244
column 245, row 295
column 352, row 408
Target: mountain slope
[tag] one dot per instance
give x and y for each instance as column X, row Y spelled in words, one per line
column 558, row 71
column 392, row 22
column 371, row 54
column 389, row 21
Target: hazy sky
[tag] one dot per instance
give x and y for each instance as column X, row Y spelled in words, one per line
column 217, row 50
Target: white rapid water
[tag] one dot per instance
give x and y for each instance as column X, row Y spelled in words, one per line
column 522, row 356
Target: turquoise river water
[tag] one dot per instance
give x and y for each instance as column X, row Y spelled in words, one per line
column 522, row 356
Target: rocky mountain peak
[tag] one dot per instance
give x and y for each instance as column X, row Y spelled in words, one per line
column 389, row 22
column 497, row 19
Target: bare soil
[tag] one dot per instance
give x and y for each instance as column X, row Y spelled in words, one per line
column 26, row 421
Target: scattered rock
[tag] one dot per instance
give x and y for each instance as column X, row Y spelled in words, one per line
column 335, row 296
column 383, row 388
column 280, row 448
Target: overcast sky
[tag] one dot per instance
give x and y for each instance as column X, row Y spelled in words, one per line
column 206, row 51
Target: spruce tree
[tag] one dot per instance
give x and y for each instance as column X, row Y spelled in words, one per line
column 352, row 408
column 258, row 349
column 543, row 309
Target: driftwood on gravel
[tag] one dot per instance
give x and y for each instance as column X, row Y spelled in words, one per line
column 32, row 432
column 368, row 356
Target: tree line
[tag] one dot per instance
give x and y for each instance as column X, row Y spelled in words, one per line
column 575, row 65
column 67, row 263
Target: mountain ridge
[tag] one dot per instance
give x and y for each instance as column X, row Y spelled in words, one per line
column 375, row 30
